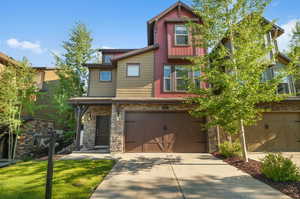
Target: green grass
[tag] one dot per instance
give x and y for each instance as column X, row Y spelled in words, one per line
column 73, row 179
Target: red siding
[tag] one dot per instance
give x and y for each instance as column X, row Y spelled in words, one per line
column 165, row 38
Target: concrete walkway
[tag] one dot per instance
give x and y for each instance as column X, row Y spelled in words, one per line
column 177, row 176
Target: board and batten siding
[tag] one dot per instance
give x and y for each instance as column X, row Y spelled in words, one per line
column 141, row 86
column 101, row 89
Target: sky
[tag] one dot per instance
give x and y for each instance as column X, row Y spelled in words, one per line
column 36, row 29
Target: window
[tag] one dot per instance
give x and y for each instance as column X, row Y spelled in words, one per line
column 167, row 78
column 133, row 70
column 105, row 76
column 181, row 75
column 107, row 59
column 181, row 35
column 196, row 75
column 176, row 78
column 287, row 84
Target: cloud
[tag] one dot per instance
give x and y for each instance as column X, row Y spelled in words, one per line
column 107, row 47
column 284, row 40
column 25, row 45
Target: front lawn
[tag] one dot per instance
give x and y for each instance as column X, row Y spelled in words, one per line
column 73, row 179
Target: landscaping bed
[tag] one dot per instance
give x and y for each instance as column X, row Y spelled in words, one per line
column 253, row 168
column 73, row 179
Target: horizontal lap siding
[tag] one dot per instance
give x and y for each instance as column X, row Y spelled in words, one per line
column 136, row 86
column 101, row 89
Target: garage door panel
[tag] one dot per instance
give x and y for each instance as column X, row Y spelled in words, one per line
column 276, row 132
column 166, row 132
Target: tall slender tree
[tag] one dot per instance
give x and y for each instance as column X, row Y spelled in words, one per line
column 235, row 33
column 17, row 98
column 72, row 74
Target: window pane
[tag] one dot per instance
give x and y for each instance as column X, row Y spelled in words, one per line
column 197, row 73
column 283, row 88
column 167, row 71
column 107, row 59
column 181, row 30
column 181, row 72
column 105, row 76
column 182, row 40
column 133, row 70
column 181, row 85
column 167, row 84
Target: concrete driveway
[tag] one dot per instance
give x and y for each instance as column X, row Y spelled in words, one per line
column 295, row 156
column 178, row 176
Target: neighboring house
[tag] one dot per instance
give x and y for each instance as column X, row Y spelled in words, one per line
column 136, row 97
column 32, row 141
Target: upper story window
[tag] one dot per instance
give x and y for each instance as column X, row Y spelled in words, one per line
column 133, row 70
column 181, row 35
column 176, row 78
column 107, row 59
column 105, row 76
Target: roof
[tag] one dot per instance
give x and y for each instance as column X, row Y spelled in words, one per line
column 7, row 60
column 284, row 56
column 136, row 52
column 110, row 100
column 177, row 4
column 114, row 50
column 102, row 66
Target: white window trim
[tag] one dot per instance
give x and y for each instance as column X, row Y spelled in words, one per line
column 175, row 35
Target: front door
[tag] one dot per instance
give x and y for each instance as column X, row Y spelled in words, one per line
column 102, row 130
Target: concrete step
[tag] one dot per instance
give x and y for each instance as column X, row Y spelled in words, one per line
column 101, row 147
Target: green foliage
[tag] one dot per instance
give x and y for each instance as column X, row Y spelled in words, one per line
column 234, row 73
column 72, row 74
column 279, row 168
column 73, row 179
column 18, row 92
column 230, row 149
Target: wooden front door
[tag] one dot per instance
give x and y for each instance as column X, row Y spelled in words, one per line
column 102, row 130
column 163, row 132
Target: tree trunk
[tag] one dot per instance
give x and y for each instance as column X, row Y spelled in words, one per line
column 243, row 141
column 218, row 137
column 15, row 147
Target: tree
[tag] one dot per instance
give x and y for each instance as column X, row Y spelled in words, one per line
column 17, row 97
column 72, row 74
column 295, row 42
column 234, row 32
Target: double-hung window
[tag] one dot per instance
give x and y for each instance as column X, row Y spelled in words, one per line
column 177, row 78
column 181, row 35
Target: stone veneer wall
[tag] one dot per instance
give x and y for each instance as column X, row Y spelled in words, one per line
column 31, row 142
column 118, row 122
column 89, row 121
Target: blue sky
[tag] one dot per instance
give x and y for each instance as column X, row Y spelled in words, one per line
column 34, row 28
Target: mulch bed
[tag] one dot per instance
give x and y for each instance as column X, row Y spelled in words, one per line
column 291, row 189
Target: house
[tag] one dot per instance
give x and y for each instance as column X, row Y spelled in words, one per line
column 136, row 97
column 34, row 127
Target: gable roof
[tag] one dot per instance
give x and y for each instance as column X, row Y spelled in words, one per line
column 4, row 59
column 135, row 52
column 175, row 5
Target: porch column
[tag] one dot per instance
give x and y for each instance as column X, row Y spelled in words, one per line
column 79, row 112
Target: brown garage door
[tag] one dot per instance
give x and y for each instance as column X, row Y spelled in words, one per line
column 276, row 132
column 164, row 132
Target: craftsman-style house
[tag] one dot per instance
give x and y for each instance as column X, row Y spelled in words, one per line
column 135, row 97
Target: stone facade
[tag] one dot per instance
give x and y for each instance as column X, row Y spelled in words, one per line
column 31, row 141
column 89, row 121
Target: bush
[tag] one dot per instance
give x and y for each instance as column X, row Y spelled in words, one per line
column 279, row 168
column 230, row 149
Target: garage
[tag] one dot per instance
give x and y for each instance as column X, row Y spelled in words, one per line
column 164, row 132
column 276, row 132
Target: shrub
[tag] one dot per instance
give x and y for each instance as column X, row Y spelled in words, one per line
column 230, row 149
column 279, row 168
